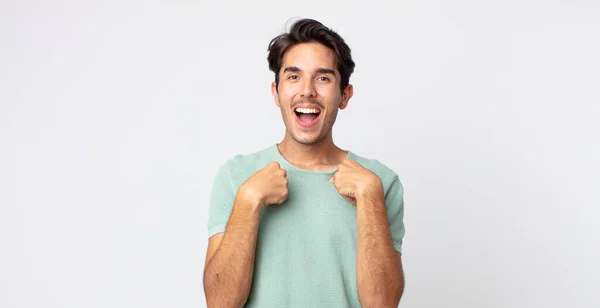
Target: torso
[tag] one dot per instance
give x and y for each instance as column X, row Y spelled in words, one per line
column 306, row 247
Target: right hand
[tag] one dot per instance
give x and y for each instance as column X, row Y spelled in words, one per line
column 268, row 185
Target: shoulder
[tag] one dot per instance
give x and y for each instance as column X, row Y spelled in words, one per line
column 241, row 166
column 250, row 160
column 388, row 176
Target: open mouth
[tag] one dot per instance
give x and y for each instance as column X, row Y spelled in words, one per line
column 307, row 117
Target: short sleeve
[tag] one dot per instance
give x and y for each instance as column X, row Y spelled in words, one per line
column 395, row 207
column 221, row 201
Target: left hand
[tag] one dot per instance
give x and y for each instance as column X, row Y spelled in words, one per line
column 354, row 181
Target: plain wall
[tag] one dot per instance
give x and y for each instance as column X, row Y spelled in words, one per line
column 115, row 115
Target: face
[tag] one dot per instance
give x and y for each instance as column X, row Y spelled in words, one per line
column 309, row 94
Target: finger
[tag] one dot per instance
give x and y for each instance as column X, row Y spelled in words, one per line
column 285, row 196
column 350, row 162
column 350, row 199
column 332, row 178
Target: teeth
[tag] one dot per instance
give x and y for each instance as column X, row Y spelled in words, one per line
column 307, row 110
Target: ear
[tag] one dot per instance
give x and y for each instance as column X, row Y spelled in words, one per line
column 275, row 94
column 346, row 96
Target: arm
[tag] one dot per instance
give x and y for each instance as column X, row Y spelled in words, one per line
column 234, row 220
column 230, row 257
column 378, row 265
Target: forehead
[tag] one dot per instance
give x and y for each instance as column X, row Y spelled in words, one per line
column 309, row 56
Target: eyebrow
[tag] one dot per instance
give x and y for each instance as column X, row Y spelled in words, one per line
column 325, row 71
column 319, row 70
column 291, row 69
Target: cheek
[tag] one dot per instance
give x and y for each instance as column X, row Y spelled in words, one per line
column 285, row 104
column 286, row 89
column 286, row 95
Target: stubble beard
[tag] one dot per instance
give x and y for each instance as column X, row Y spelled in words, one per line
column 322, row 134
column 325, row 127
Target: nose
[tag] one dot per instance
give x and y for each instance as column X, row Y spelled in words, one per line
column 308, row 89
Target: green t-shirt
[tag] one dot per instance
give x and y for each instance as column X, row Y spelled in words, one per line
column 306, row 247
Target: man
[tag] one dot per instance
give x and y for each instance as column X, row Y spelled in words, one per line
column 304, row 223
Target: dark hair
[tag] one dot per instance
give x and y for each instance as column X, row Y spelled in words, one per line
column 309, row 30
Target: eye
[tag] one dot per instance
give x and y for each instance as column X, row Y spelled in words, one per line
column 292, row 77
column 323, row 78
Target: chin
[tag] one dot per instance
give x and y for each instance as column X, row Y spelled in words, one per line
column 307, row 139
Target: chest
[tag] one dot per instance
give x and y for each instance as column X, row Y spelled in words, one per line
column 310, row 236
column 314, row 213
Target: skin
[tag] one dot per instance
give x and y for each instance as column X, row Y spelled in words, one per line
column 308, row 75
column 305, row 77
column 229, row 266
column 379, row 270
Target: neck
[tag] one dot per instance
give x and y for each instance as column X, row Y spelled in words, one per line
column 319, row 156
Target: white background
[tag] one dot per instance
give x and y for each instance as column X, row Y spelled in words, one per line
column 115, row 115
